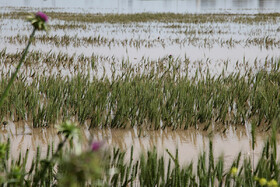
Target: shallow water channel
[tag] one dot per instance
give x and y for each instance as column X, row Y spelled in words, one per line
column 190, row 143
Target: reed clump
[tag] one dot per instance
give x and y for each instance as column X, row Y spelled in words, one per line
column 164, row 96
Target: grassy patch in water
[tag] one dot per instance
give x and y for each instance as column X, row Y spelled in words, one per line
column 158, row 98
column 151, row 17
column 190, row 40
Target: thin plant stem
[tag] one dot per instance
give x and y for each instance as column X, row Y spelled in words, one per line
column 5, row 93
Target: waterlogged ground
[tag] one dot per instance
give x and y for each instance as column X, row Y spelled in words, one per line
column 231, row 43
column 110, row 47
column 190, row 143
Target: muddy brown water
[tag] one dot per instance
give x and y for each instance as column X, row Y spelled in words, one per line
column 190, row 143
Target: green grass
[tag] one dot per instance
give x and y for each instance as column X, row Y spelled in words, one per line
column 161, row 96
column 155, row 95
column 110, row 168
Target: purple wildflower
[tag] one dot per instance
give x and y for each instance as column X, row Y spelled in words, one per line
column 43, row 16
column 170, row 56
column 95, row 146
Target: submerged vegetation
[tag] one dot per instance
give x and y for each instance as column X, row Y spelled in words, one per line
column 108, row 92
column 66, row 40
column 163, row 95
column 98, row 167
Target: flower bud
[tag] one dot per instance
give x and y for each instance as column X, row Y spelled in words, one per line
column 38, row 20
column 42, row 16
column 95, row 146
column 233, row 171
column 262, row 181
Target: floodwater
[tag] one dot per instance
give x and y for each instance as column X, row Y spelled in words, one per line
column 136, row 6
column 190, row 143
column 210, row 44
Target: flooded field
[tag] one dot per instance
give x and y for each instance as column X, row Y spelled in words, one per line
column 190, row 143
column 191, row 87
column 227, row 43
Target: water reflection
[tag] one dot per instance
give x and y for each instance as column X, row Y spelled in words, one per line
column 261, row 3
column 189, row 142
column 133, row 6
column 207, row 3
column 241, row 3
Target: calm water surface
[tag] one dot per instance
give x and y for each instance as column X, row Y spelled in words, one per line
column 190, row 143
column 133, row 6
